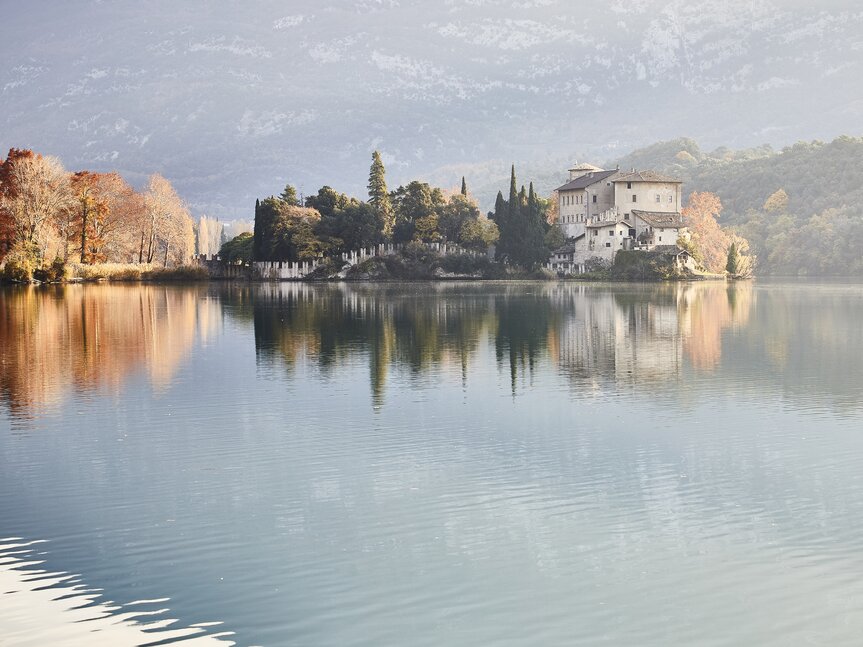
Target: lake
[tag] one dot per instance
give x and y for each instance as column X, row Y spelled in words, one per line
column 432, row 464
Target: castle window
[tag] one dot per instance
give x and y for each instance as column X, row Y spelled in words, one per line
column 594, row 199
column 608, row 244
column 670, row 199
column 611, row 232
column 634, row 198
column 629, row 185
column 657, row 197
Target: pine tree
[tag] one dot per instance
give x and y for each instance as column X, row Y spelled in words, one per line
column 463, row 186
column 379, row 197
column 732, row 265
column 289, row 196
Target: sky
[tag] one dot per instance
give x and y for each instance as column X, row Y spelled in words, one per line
column 232, row 99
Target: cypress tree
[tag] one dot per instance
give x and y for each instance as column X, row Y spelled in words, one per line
column 513, row 192
column 257, row 237
column 534, row 251
column 732, row 264
column 379, row 197
column 463, row 186
column 508, row 224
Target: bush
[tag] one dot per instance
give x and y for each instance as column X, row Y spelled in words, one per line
column 53, row 273
column 17, row 270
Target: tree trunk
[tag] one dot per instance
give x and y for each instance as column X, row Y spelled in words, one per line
column 141, row 250
column 167, row 245
column 84, row 235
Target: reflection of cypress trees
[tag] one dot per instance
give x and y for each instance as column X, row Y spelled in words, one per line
column 522, row 331
column 333, row 324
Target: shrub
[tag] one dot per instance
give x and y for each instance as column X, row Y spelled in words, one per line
column 17, row 270
column 52, row 273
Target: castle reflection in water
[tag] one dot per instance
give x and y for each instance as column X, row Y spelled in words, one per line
column 72, row 339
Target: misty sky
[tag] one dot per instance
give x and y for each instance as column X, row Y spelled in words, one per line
column 230, row 99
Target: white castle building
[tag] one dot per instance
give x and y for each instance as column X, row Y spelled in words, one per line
column 602, row 212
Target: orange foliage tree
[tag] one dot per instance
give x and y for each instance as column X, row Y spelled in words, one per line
column 710, row 241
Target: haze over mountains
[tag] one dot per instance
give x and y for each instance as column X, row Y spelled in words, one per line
column 232, row 99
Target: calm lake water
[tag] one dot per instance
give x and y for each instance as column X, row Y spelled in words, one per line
column 451, row 464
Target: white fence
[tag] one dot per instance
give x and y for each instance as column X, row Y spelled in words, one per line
column 293, row 271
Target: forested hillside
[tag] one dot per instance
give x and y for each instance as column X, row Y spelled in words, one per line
column 800, row 207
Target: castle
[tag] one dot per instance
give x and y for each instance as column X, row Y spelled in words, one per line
column 602, row 212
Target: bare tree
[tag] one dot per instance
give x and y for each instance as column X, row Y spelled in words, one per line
column 168, row 228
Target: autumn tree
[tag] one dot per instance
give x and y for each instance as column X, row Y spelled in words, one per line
column 708, row 239
column 35, row 192
column 88, row 214
column 168, row 229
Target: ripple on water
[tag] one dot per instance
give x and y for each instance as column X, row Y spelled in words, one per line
column 50, row 608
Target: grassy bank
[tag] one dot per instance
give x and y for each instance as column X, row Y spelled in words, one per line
column 114, row 272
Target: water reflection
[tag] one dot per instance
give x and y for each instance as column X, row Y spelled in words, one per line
column 594, row 335
column 61, row 340
column 803, row 341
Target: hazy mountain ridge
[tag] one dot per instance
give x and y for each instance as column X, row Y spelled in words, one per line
column 231, row 100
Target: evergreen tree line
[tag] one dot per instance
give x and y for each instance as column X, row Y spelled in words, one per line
column 329, row 222
column 525, row 235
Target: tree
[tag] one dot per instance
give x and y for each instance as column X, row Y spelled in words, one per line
column 209, row 238
column 457, row 211
column 35, row 193
column 90, row 208
column 168, row 228
column 351, row 227
column 463, row 186
column 289, row 196
column 379, row 197
column 530, row 249
column 711, row 243
column 238, row 250
column 732, row 264
column 777, row 202
column 554, row 237
column 478, row 234
column 286, row 233
column 415, row 207
column 507, row 215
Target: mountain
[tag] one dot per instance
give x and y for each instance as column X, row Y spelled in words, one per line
column 232, row 99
